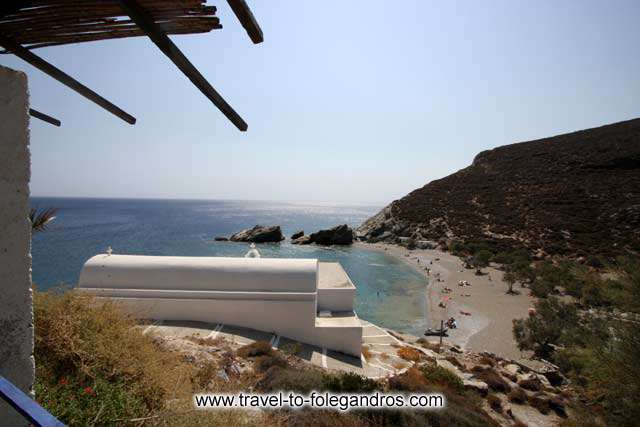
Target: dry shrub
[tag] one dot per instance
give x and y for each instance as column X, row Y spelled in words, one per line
column 557, row 405
column 517, row 395
column 366, row 353
column 292, row 349
column 429, row 345
column 409, row 353
column 411, row 380
column 485, row 360
column 463, row 409
column 262, row 363
column 258, row 348
column 349, row 382
column 212, row 342
column 290, row 379
column 204, row 374
column 314, row 418
column 495, row 403
column 92, row 362
column 476, row 369
column 532, row 384
column 540, row 402
column 494, row 380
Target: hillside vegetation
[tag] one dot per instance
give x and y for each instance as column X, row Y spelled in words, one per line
column 569, row 195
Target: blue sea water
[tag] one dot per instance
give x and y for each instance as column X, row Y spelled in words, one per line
column 389, row 293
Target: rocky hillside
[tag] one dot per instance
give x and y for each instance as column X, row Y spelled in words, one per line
column 575, row 194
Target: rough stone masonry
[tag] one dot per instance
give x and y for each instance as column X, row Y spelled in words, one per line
column 16, row 309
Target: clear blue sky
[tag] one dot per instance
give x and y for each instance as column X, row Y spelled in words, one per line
column 358, row 101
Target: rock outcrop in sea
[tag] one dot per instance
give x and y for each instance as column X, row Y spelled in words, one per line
column 569, row 195
column 338, row 235
column 259, row 234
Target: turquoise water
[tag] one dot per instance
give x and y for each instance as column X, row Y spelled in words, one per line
column 389, row 293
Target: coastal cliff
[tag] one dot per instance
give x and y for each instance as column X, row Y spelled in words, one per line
column 570, row 195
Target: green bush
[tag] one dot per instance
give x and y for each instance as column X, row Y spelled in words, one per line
column 544, row 329
column 438, row 375
column 279, row 378
column 349, row 382
column 481, row 259
column 598, row 351
column 512, row 257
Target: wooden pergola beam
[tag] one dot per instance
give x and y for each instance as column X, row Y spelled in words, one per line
column 44, row 117
column 26, row 55
column 246, row 18
column 12, row 6
column 155, row 33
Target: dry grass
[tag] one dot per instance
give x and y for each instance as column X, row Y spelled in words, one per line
column 429, row 345
column 409, row 353
column 399, row 365
column 463, row 409
column 95, row 366
column 212, row 342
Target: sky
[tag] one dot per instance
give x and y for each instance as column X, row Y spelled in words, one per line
column 346, row 101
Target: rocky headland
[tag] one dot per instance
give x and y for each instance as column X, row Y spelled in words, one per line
column 567, row 195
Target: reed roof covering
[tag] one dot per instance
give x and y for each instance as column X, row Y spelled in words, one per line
column 40, row 23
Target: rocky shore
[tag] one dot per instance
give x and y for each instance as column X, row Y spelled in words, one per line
column 510, row 392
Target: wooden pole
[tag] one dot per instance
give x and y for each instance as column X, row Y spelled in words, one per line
column 441, row 331
column 42, row 65
column 155, row 33
column 246, row 18
column 44, row 117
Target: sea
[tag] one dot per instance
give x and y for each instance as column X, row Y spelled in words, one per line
column 389, row 292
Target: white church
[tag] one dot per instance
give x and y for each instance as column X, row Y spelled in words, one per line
column 301, row 299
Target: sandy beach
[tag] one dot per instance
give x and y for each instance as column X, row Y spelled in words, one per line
column 483, row 310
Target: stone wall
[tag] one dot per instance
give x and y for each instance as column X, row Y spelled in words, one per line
column 16, row 309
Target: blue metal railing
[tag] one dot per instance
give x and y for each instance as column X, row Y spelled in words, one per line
column 26, row 406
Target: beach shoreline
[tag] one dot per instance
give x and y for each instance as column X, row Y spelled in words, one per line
column 491, row 311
